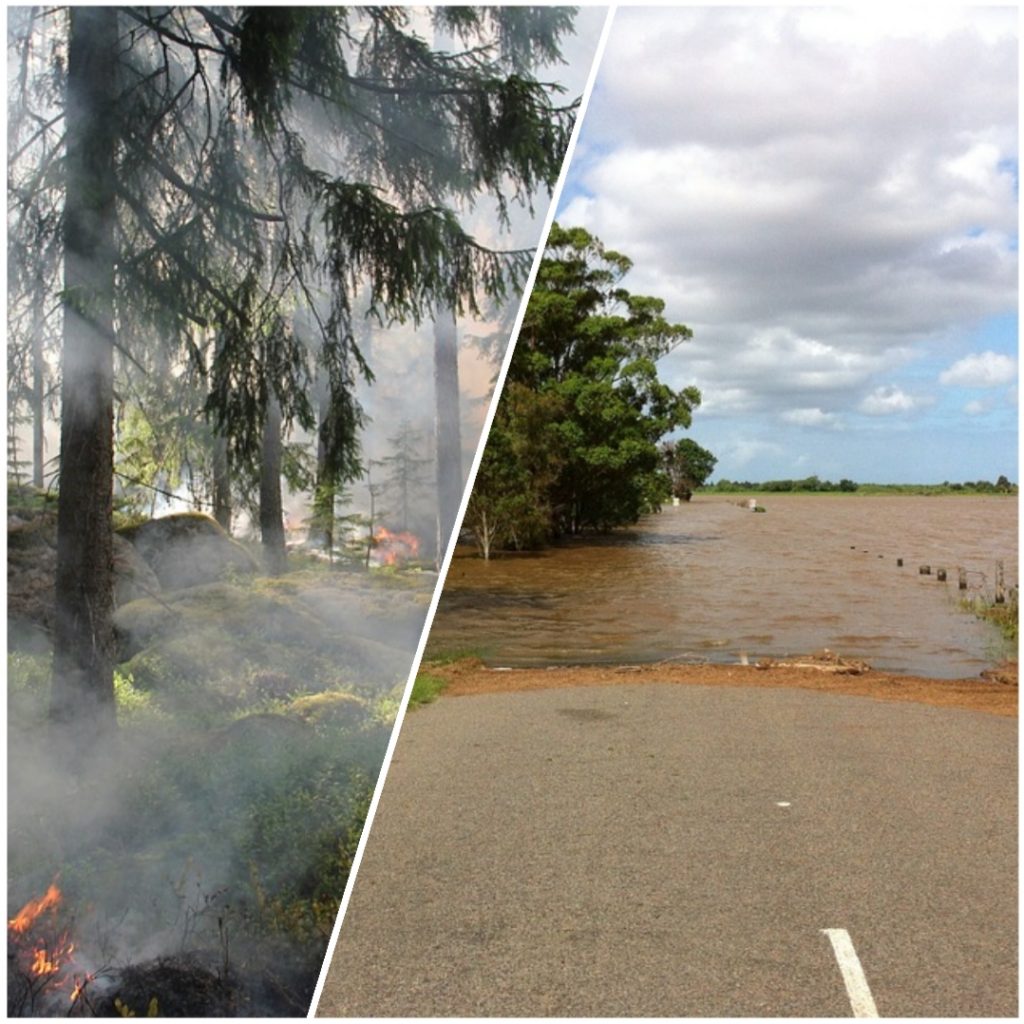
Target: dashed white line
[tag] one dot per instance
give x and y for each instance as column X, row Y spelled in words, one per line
column 861, row 1001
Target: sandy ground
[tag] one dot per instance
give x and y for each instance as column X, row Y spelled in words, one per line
column 993, row 692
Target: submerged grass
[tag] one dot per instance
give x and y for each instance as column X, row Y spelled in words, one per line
column 1005, row 616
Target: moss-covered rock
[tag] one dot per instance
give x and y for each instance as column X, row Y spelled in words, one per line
column 264, row 732
column 32, row 568
column 255, row 643
column 188, row 548
column 332, row 708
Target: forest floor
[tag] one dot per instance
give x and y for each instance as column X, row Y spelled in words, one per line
column 993, row 692
column 202, row 852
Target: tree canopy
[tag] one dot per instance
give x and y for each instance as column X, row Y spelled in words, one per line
column 215, row 186
column 689, row 466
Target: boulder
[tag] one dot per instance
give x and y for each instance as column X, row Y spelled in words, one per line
column 32, row 569
column 187, row 549
column 133, row 578
column 221, row 632
column 334, row 708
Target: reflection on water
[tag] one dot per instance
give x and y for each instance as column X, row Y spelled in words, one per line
column 711, row 581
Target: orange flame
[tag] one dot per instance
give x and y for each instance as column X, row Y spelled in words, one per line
column 43, row 950
column 81, row 980
column 30, row 913
column 395, row 548
column 43, row 963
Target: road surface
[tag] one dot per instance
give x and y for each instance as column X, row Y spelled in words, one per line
column 648, row 850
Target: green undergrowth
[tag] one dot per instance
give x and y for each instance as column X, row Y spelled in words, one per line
column 251, row 819
column 253, row 719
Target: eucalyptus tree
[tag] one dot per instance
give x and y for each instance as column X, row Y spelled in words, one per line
column 574, row 443
column 225, row 167
column 688, row 466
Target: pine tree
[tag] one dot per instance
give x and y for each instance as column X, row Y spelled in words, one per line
column 227, row 167
column 83, row 692
column 405, row 467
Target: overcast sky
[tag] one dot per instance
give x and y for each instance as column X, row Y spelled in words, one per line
column 828, row 198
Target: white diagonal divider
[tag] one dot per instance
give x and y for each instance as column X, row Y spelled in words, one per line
column 452, row 540
column 861, row 1001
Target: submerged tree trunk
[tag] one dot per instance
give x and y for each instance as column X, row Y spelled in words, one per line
column 82, row 695
column 222, row 506
column 449, row 441
column 271, row 505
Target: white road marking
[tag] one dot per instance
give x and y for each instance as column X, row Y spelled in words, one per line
column 783, row 803
column 861, row 1000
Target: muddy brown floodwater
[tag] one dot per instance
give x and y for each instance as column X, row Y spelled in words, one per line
column 710, row 581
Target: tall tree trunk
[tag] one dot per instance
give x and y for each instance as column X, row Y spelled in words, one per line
column 222, row 503
column 37, row 400
column 271, row 505
column 82, row 695
column 321, row 526
column 222, row 507
column 449, row 441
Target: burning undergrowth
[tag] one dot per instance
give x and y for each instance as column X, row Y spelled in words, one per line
column 391, row 548
column 195, row 865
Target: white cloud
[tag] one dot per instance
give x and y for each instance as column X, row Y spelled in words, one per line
column 889, row 400
column 981, row 370
column 818, row 193
column 740, row 452
column 976, row 408
column 813, row 417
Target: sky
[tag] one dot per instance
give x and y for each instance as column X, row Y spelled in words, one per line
column 828, row 199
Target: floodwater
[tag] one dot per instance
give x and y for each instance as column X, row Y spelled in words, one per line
column 712, row 581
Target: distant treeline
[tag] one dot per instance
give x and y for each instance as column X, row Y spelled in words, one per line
column 815, row 485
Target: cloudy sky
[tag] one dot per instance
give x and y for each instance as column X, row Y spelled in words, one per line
column 828, row 198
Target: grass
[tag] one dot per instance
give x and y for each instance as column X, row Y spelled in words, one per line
column 426, row 689
column 428, row 685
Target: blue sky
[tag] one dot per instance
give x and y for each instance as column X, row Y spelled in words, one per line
column 829, row 200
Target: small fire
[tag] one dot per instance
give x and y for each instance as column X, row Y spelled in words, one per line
column 34, row 909
column 395, row 548
column 45, row 962
column 42, row 949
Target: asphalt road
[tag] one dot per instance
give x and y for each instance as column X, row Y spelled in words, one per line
column 623, row 851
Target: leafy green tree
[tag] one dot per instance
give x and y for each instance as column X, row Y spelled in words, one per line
column 588, row 351
column 689, row 466
column 224, row 167
column 509, row 506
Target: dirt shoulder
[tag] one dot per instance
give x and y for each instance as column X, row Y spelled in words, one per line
column 993, row 692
